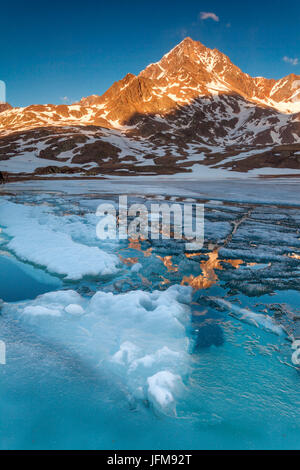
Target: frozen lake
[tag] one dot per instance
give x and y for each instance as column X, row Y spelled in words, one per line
column 140, row 345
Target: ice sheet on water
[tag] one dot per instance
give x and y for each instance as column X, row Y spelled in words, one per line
column 268, row 233
column 257, row 319
column 259, row 253
column 44, row 239
column 216, row 231
column 140, row 337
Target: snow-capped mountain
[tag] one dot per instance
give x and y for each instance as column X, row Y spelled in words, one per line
column 193, row 107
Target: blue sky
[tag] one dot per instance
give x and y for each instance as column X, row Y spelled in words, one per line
column 54, row 52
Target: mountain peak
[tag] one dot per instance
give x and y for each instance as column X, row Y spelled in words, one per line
column 190, row 64
column 193, row 101
column 187, row 39
column 187, row 77
column 188, row 47
column 188, row 42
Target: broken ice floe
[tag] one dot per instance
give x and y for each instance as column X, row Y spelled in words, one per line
column 259, row 320
column 33, row 239
column 140, row 337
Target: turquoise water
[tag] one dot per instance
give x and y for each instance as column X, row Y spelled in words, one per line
column 239, row 395
column 60, row 388
column 19, row 281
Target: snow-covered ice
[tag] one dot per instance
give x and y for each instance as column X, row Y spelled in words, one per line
column 140, row 336
column 33, row 239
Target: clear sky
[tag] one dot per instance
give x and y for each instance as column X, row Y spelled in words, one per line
column 55, row 52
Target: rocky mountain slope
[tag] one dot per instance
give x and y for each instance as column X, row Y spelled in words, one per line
column 193, row 109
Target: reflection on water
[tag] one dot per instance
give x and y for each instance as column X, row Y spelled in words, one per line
column 192, row 255
column 205, row 280
column 167, row 261
column 164, row 281
column 209, row 276
column 128, row 261
column 135, row 244
column 294, row 256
